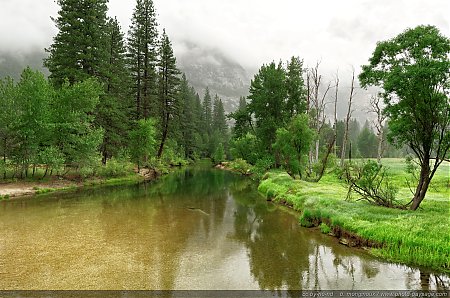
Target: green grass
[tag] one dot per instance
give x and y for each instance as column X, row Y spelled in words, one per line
column 419, row 237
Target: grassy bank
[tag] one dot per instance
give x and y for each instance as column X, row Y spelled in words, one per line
column 419, row 237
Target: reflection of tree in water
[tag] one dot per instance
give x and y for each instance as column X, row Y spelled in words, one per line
column 284, row 256
column 155, row 223
column 276, row 261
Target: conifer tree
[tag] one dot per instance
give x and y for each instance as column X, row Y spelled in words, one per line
column 295, row 86
column 187, row 119
column 219, row 126
column 142, row 51
column 168, row 84
column 113, row 112
column 207, row 112
column 242, row 119
column 79, row 50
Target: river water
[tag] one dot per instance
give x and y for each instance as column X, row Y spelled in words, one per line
column 194, row 229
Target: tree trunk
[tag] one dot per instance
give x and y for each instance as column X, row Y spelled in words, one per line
column 164, row 136
column 380, row 147
column 325, row 160
column 424, row 182
column 347, row 120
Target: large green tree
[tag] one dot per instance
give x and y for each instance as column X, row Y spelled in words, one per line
column 242, row 118
column 295, row 86
column 143, row 53
column 268, row 102
column 293, row 143
column 168, row 83
column 114, row 110
column 413, row 69
column 79, row 50
column 8, row 118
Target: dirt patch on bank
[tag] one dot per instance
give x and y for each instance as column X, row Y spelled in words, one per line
column 20, row 189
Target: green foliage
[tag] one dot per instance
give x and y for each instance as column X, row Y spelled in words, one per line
column 113, row 113
column 324, row 228
column 245, row 147
column 292, row 144
column 142, row 54
column 242, row 118
column 295, row 87
column 262, row 165
column 367, row 142
column 115, row 168
column 268, row 102
column 219, row 154
column 371, row 182
column 168, row 83
column 413, row 71
column 79, row 50
column 142, row 141
column 241, row 166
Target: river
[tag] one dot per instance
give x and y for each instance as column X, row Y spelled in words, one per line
column 197, row 228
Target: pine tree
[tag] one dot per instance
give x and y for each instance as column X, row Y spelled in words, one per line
column 142, row 51
column 242, row 119
column 219, row 126
column 207, row 112
column 219, row 121
column 168, row 84
column 295, row 86
column 113, row 113
column 79, row 50
column 187, row 119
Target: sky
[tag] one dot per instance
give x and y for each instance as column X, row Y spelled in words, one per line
column 341, row 34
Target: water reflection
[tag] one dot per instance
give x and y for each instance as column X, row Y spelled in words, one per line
column 194, row 229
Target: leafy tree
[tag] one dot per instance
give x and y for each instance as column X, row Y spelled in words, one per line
column 8, row 118
column 32, row 123
column 268, row 102
column 142, row 141
column 79, row 50
column 142, row 52
column 293, row 143
column 413, row 70
column 72, row 119
column 245, row 147
column 219, row 154
column 169, row 82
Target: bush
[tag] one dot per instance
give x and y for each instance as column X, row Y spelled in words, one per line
column 115, row 168
column 262, row 166
column 371, row 182
column 324, row 228
column 240, row 165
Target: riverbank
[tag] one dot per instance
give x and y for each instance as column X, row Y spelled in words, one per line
column 19, row 189
column 419, row 238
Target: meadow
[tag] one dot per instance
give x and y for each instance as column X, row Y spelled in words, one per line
column 420, row 238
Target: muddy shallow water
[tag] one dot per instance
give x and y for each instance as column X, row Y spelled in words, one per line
column 193, row 229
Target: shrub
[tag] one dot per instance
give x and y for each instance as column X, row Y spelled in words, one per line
column 371, row 182
column 115, row 168
column 324, row 228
